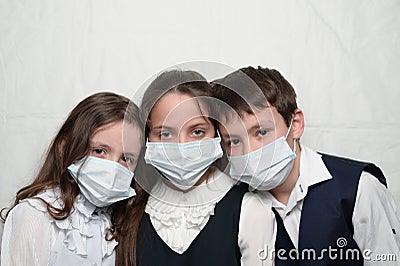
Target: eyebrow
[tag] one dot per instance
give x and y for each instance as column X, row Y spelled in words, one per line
column 94, row 144
column 262, row 123
column 228, row 136
column 162, row 127
column 199, row 124
column 130, row 154
column 203, row 123
column 252, row 128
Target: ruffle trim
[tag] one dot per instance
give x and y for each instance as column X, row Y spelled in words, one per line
column 172, row 216
column 75, row 228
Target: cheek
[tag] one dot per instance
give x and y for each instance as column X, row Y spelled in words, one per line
column 130, row 166
column 233, row 151
column 255, row 144
column 211, row 134
column 98, row 155
column 124, row 164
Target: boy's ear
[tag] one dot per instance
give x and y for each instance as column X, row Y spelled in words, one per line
column 298, row 123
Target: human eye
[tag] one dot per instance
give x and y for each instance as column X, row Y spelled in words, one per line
column 262, row 132
column 98, row 151
column 165, row 135
column 129, row 160
column 198, row 133
column 233, row 142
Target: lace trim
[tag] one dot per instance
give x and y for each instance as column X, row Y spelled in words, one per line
column 171, row 216
column 75, row 227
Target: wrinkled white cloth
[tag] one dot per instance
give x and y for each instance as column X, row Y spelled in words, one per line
column 179, row 216
column 32, row 237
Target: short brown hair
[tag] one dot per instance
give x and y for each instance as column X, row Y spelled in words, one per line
column 249, row 87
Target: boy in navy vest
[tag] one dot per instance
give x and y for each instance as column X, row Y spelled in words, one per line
column 329, row 210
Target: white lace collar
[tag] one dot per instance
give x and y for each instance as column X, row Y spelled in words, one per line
column 76, row 227
column 178, row 217
column 210, row 191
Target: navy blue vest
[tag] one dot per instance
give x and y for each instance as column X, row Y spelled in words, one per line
column 217, row 243
column 326, row 229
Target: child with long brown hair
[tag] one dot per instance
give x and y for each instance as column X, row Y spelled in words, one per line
column 78, row 206
column 195, row 214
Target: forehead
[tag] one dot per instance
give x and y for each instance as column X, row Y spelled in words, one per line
column 176, row 109
column 261, row 117
column 121, row 136
column 111, row 132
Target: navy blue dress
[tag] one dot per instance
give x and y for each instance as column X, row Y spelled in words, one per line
column 216, row 244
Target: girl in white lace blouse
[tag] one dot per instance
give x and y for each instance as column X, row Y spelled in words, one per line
column 73, row 211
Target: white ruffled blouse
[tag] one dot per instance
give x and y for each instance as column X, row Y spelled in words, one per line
column 32, row 237
column 179, row 216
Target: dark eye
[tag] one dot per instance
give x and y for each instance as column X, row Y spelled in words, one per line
column 198, row 132
column 262, row 132
column 98, row 151
column 233, row 142
column 128, row 160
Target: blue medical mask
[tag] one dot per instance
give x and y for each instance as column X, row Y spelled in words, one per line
column 102, row 181
column 267, row 167
column 183, row 163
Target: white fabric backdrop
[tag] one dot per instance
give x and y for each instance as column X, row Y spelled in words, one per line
column 342, row 57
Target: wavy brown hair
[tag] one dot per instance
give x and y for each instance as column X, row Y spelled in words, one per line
column 127, row 217
column 72, row 143
column 175, row 81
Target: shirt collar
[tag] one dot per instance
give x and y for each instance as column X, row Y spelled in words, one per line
column 312, row 171
column 312, row 168
column 210, row 191
column 86, row 207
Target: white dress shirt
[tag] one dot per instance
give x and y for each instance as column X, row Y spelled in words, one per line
column 32, row 237
column 374, row 214
column 179, row 217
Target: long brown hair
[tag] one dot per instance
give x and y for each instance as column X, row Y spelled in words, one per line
column 185, row 82
column 72, row 143
column 126, row 220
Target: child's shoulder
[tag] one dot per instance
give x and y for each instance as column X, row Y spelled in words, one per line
column 51, row 196
column 30, row 209
column 337, row 163
column 36, row 205
column 255, row 201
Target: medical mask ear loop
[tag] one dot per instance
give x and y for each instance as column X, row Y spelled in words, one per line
column 287, row 134
column 290, row 127
column 218, row 134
